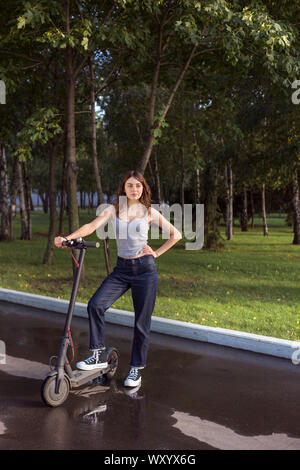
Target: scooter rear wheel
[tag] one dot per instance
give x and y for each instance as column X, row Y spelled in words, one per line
column 113, row 362
column 48, row 394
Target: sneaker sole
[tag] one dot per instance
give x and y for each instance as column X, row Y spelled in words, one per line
column 132, row 383
column 83, row 366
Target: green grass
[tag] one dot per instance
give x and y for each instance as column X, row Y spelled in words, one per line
column 252, row 285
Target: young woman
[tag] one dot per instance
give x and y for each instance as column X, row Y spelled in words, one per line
column 131, row 217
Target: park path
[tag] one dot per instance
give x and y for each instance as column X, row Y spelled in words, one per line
column 193, row 396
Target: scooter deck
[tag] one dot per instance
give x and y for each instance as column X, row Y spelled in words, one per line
column 80, row 377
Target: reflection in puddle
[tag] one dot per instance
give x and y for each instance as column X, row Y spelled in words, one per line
column 87, row 392
column 3, row 428
column 24, row 368
column 224, row 438
column 94, row 416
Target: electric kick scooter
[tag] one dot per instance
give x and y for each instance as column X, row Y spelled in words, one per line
column 61, row 379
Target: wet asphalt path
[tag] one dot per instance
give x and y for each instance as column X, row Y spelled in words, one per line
column 193, row 395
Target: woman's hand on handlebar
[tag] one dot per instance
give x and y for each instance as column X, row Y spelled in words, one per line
column 58, row 242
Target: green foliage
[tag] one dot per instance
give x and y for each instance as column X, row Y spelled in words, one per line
column 42, row 126
column 247, row 56
column 276, row 39
column 159, row 123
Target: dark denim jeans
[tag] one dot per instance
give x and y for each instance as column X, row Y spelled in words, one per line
column 139, row 274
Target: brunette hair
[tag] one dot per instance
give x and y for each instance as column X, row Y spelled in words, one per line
column 145, row 198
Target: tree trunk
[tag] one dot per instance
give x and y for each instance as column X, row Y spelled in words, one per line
column 152, row 178
column 147, row 152
column 13, row 197
column 27, row 194
column 182, row 186
column 90, row 199
column 32, row 208
column 244, row 212
column 95, row 162
column 197, row 189
column 71, row 167
column 229, row 201
column 212, row 237
column 157, row 179
column 152, row 127
column 5, row 230
column 48, row 256
column 290, row 214
column 296, row 208
column 44, row 199
column 264, row 214
column 23, row 211
column 252, row 208
column 62, row 197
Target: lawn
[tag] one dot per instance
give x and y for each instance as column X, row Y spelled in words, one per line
column 251, row 285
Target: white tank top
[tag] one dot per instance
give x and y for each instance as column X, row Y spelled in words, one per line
column 131, row 236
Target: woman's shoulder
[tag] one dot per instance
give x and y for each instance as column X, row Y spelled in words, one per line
column 109, row 211
column 153, row 214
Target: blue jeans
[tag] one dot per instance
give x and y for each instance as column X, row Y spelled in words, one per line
column 139, row 274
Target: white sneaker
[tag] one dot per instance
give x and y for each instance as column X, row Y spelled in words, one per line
column 134, row 378
column 97, row 361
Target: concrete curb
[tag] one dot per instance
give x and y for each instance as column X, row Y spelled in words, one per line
column 234, row 339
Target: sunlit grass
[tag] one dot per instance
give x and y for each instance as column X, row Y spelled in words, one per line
column 252, row 285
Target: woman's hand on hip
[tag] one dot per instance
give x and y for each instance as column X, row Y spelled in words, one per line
column 147, row 250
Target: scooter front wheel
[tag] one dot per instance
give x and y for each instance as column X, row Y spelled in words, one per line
column 48, row 394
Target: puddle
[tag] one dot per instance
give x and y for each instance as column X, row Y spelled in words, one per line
column 24, row 368
column 224, row 438
column 3, row 428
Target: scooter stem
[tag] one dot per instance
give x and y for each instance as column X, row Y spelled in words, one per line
column 62, row 356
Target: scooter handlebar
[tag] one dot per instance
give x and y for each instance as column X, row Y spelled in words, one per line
column 92, row 244
column 80, row 243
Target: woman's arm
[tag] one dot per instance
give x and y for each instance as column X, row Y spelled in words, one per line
column 175, row 235
column 87, row 229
